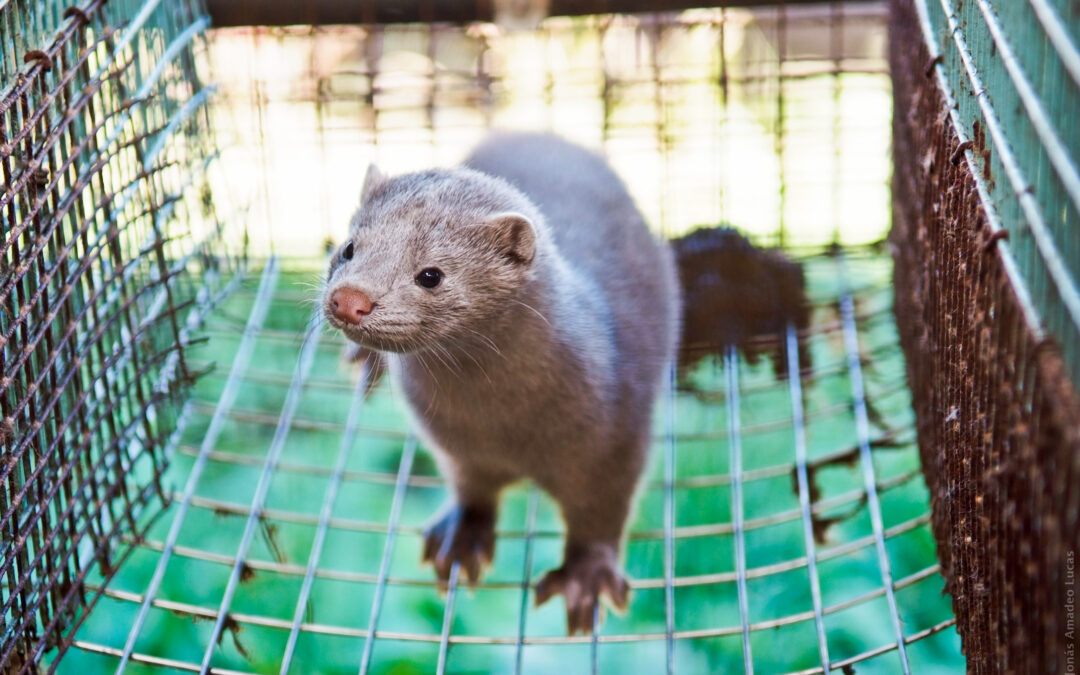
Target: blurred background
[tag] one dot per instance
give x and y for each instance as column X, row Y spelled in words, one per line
column 774, row 120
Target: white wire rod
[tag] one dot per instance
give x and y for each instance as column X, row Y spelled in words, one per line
column 256, row 319
column 731, row 372
column 448, row 619
column 890, row 388
column 803, row 477
column 329, row 499
column 292, row 401
column 846, row 664
column 204, row 613
column 230, row 326
column 813, row 300
column 866, row 458
column 830, row 369
column 193, row 667
column 431, row 481
column 1059, row 37
column 349, row 475
column 683, row 532
column 276, row 378
column 714, row 578
column 281, row 379
column 151, row 660
column 526, row 576
column 404, row 469
column 669, row 521
column 1044, row 241
column 1052, row 144
column 594, row 648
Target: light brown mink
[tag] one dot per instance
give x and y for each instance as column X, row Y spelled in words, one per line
column 529, row 318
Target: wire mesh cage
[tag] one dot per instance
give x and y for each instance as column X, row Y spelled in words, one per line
column 108, row 223
column 784, row 525
column 986, row 197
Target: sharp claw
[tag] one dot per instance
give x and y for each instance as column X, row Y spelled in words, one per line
column 616, row 589
column 583, row 580
column 549, row 586
column 472, row 571
column 459, row 538
column 583, row 618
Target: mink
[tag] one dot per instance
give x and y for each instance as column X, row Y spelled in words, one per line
column 529, row 317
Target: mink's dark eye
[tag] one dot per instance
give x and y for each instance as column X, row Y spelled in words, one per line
column 347, row 252
column 429, row 277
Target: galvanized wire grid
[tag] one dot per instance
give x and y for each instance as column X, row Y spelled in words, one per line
column 291, row 539
column 105, row 270
column 717, row 581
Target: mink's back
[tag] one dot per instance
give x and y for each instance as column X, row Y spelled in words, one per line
column 603, row 236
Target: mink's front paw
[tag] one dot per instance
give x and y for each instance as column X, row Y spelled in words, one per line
column 588, row 570
column 461, row 534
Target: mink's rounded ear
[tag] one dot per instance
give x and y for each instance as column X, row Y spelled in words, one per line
column 372, row 181
column 512, row 234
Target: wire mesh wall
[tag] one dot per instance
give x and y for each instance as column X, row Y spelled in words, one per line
column 110, row 255
column 987, row 266
column 784, row 526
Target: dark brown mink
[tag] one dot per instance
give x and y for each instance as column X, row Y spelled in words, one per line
column 735, row 293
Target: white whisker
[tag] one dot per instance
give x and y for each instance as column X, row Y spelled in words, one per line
column 533, row 310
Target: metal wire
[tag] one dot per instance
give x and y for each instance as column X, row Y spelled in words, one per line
column 232, row 387
column 292, row 401
column 731, row 371
column 446, row 638
column 802, row 475
column 347, row 441
column 100, row 289
column 526, row 577
column 448, row 618
column 404, row 469
column 985, row 290
column 866, row 458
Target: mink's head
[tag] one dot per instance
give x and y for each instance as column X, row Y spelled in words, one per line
column 432, row 258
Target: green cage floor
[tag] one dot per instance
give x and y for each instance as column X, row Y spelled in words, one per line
column 291, row 542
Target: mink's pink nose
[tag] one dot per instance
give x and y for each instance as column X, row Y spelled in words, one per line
column 350, row 305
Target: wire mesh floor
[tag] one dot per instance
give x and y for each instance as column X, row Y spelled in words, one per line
column 783, row 527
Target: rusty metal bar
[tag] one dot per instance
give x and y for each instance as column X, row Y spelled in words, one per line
column 329, row 12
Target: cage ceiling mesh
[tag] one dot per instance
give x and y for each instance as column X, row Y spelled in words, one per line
column 784, row 525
